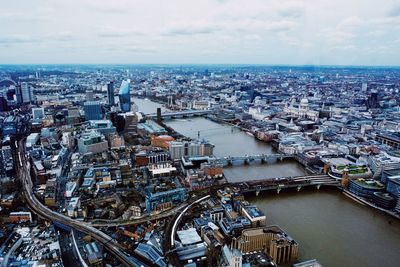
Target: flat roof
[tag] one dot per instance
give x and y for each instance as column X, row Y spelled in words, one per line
column 189, row 236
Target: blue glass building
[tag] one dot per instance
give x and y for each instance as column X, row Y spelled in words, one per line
column 93, row 110
column 125, row 96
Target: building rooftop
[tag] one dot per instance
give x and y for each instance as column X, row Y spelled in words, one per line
column 189, row 236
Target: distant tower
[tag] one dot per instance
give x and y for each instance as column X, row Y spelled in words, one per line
column 89, row 95
column 110, row 93
column 321, row 138
column 373, row 101
column 170, row 100
column 27, row 95
column 18, row 94
column 159, row 118
column 364, row 87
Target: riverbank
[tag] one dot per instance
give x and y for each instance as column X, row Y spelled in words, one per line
column 369, row 204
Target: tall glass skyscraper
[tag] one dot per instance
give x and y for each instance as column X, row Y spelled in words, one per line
column 110, row 93
column 125, row 96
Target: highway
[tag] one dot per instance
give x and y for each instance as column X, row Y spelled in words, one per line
column 23, row 172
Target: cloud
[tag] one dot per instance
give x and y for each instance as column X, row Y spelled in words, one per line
column 395, row 11
column 193, row 29
column 337, row 36
column 215, row 31
column 18, row 39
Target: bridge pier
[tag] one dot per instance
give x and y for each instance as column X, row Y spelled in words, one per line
column 298, row 188
column 278, row 190
column 281, row 158
column 246, row 162
column 318, row 186
column 257, row 192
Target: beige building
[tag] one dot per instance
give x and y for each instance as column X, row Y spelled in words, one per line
column 271, row 239
column 283, row 249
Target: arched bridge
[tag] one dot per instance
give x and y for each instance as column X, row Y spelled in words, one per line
column 247, row 159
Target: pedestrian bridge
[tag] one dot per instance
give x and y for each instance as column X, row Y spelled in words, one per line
column 278, row 184
column 180, row 114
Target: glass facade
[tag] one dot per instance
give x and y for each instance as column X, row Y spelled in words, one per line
column 93, row 110
column 125, row 96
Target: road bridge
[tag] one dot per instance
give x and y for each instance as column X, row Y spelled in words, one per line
column 247, row 159
column 180, row 114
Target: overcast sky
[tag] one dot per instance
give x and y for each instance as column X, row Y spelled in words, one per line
column 318, row 32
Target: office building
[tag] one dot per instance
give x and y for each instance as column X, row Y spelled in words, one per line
column 390, row 139
column 125, row 96
column 38, row 113
column 365, row 187
column 6, row 160
column 232, row 257
column 165, row 200
column 283, row 249
column 372, row 101
column 272, row 240
column 89, row 95
column 93, row 110
column 179, row 149
column 27, row 94
column 18, row 94
column 103, row 126
column 91, row 141
column 364, row 87
column 110, row 93
column 191, row 246
column 254, row 215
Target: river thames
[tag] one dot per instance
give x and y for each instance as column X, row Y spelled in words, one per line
column 327, row 225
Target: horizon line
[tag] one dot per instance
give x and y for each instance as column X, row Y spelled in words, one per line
column 203, row 64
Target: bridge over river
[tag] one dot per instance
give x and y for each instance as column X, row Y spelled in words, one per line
column 180, row 114
column 278, row 184
column 247, row 159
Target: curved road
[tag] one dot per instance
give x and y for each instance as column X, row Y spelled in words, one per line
column 23, row 171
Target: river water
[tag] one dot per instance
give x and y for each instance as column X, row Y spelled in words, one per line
column 327, row 225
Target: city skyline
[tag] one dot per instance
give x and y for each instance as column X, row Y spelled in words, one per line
column 360, row 33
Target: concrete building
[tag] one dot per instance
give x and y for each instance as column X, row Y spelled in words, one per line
column 27, row 93
column 166, row 199
column 255, row 215
column 102, row 126
column 272, row 240
column 283, row 249
column 91, row 141
column 179, row 149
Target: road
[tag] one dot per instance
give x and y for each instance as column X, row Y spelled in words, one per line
column 23, row 172
column 143, row 219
